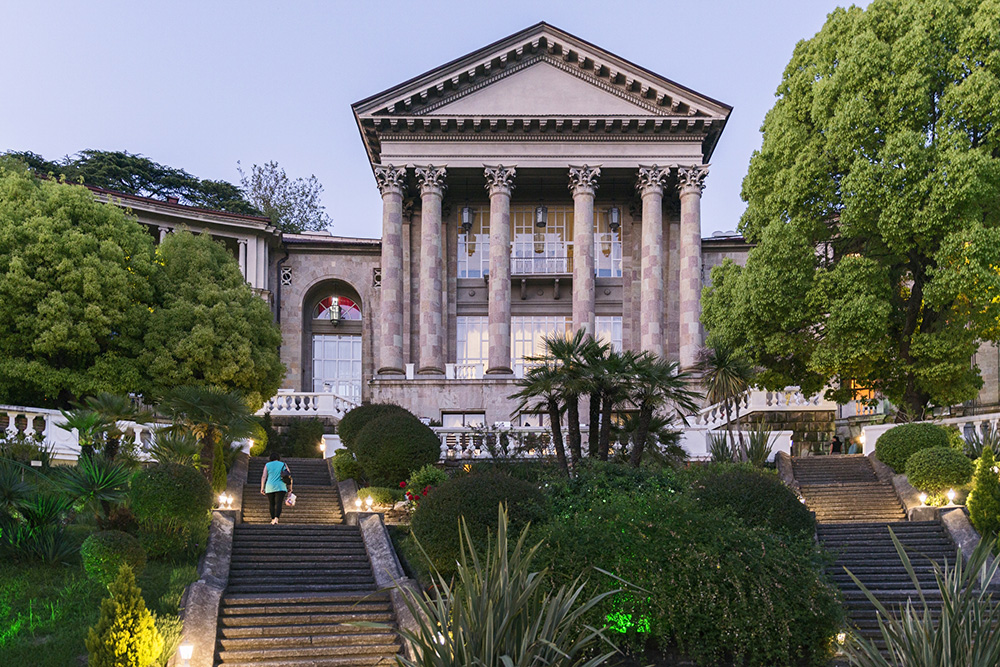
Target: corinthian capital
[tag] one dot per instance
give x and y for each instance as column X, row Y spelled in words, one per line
column 583, row 179
column 499, row 179
column 431, row 179
column 652, row 178
column 390, row 179
column 692, row 179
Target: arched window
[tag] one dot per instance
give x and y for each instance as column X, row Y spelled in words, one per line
column 337, row 309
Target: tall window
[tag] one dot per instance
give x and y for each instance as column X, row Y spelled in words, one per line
column 528, row 335
column 607, row 247
column 337, row 365
column 547, row 249
column 474, row 246
column 473, row 340
column 609, row 330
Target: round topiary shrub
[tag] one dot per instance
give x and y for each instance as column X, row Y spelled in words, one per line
column 170, row 493
column 345, row 466
column 757, row 497
column 475, row 497
column 984, row 501
column 355, row 420
column 896, row 445
column 390, row 447
column 938, row 468
column 104, row 552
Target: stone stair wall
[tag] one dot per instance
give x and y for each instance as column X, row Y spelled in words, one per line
column 808, row 427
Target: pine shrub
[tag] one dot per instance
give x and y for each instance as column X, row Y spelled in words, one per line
column 896, row 445
column 345, row 466
column 984, row 501
column 938, row 468
column 355, row 420
column 104, row 552
column 125, row 634
column 390, row 447
column 219, row 469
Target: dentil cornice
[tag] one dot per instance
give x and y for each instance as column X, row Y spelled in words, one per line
column 390, row 179
column 583, row 179
column 499, row 179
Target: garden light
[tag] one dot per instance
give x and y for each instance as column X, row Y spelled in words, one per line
column 841, row 638
column 357, row 503
column 923, row 498
column 368, row 502
column 186, row 650
column 951, row 496
column 322, row 446
column 222, row 500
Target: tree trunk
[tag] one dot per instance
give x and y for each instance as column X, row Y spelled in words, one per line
column 573, row 417
column 641, row 433
column 557, row 439
column 743, row 447
column 729, row 426
column 605, row 445
column 594, row 438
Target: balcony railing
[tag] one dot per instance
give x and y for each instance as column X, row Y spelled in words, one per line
column 312, row 403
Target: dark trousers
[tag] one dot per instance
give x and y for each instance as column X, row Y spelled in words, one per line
column 276, row 500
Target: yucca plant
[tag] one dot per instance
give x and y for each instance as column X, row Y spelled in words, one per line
column 966, row 632
column 720, row 449
column 96, row 482
column 176, row 447
column 759, row 445
column 498, row 612
column 980, row 439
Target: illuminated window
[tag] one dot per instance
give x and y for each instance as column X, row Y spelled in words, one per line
column 528, row 335
column 609, row 331
column 474, row 246
column 336, row 309
column 463, row 419
column 473, row 338
column 536, row 249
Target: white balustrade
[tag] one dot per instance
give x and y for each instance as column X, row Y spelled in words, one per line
column 308, row 403
column 966, row 425
column 758, row 400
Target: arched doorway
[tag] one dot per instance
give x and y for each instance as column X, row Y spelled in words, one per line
column 332, row 313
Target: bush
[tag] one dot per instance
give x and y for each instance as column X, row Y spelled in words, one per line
column 390, row 447
column 125, row 634
column 938, row 468
column 896, row 445
column 355, row 420
column 430, row 475
column 706, row 579
column 171, row 503
column 381, row 495
column 756, row 497
column 345, row 466
column 104, row 552
column 219, row 469
column 476, row 497
column 984, row 501
column 302, row 438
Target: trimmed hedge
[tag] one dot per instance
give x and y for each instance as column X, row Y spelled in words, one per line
column 390, row 447
column 475, row 497
column 896, row 445
column 172, row 504
column 104, row 552
column 345, row 466
column 938, row 468
column 355, row 420
column 984, row 501
column 756, row 497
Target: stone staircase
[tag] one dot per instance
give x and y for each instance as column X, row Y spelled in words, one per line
column 855, row 511
column 294, row 587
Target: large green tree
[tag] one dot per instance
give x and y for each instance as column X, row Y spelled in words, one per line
column 875, row 206
column 75, row 292
column 209, row 329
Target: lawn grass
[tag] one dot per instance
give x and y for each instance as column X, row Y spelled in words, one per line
column 45, row 611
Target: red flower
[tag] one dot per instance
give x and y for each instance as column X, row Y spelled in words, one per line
column 402, row 485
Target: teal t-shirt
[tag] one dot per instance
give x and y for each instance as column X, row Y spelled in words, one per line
column 274, row 483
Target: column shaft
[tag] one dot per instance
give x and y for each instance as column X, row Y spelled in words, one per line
column 651, row 182
column 391, row 181
column 691, row 182
column 583, row 183
column 431, row 330
column 499, row 182
column 243, row 256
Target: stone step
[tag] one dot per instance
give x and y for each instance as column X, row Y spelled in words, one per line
column 358, row 584
column 318, row 636
column 299, row 624
column 305, row 609
column 339, row 652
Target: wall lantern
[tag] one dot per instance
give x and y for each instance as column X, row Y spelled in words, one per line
column 614, row 219
column 541, row 221
column 466, row 219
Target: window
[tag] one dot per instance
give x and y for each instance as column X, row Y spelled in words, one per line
column 547, row 249
column 463, row 419
column 337, row 365
column 336, row 308
column 473, row 337
column 607, row 247
column 609, row 330
column 474, row 246
column 528, row 335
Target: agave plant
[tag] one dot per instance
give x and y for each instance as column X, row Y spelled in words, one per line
column 14, row 490
column 966, row 632
column 500, row 613
column 720, row 449
column 96, row 482
column 980, row 439
column 44, row 509
column 760, row 443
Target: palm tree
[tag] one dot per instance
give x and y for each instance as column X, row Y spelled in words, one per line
column 570, row 359
column 89, row 426
column 595, row 358
column 726, row 375
column 656, row 384
column 113, row 409
column 613, row 378
column 540, row 391
column 210, row 414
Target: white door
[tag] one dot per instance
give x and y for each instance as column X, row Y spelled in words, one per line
column 337, row 365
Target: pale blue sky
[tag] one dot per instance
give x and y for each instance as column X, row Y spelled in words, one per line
column 201, row 84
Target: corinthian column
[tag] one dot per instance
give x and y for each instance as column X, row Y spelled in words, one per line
column 650, row 186
column 432, row 185
column 583, row 183
column 391, row 182
column 499, row 183
column 690, row 183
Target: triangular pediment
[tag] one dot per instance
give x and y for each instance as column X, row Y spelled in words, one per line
column 539, row 88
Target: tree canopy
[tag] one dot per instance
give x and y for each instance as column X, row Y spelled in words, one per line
column 874, row 202
column 293, row 205
column 88, row 305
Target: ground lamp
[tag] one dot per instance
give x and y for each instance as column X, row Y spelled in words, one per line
column 322, row 446
column 923, row 498
column 225, row 501
column 368, row 502
column 951, row 496
column 357, row 504
column 186, row 650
